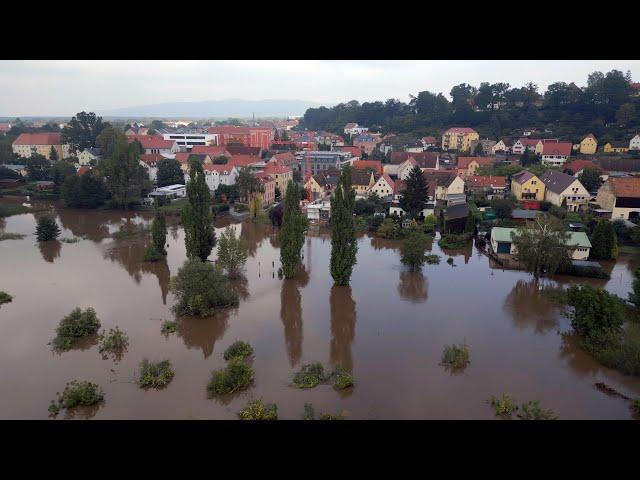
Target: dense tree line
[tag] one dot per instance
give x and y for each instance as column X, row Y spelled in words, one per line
column 605, row 106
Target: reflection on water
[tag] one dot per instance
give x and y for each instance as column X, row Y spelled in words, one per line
column 82, row 412
column 343, row 326
column 530, row 308
column 50, row 250
column 413, row 286
column 291, row 314
column 203, row 333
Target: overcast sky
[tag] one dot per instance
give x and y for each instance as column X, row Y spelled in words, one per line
column 66, row 87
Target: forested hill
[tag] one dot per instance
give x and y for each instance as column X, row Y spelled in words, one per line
column 608, row 107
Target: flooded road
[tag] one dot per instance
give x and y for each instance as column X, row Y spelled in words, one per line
column 388, row 328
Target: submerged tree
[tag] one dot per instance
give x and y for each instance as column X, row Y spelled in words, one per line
column 413, row 250
column 232, row 252
column 47, row 229
column 125, row 178
column 197, row 217
column 541, row 245
column 414, row 197
column 291, row 235
column 169, row 173
column 343, row 235
column 604, row 243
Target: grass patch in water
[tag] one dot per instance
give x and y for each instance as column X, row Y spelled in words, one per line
column 310, row 414
column 11, row 236
column 126, row 233
column 504, row 406
column 256, row 410
column 310, row 376
column 155, row 375
column 533, row 411
column 455, row 356
column 168, row 326
column 115, row 342
column 432, row 259
column 343, row 378
column 238, row 349
column 236, row 376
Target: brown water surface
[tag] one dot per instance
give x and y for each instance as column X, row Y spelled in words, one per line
column 389, row 328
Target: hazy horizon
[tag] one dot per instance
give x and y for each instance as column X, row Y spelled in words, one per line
column 61, row 88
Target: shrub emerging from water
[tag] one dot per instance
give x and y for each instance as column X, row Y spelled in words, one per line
column 503, row 407
column 11, row 236
column 450, row 260
column 456, row 356
column 76, row 325
column 238, row 349
column 533, row 411
column 453, row 241
column 333, row 416
column 412, row 250
column 432, row 259
column 168, row 326
column 5, row 298
column 635, row 407
column 155, row 375
column 256, row 410
column 47, row 229
column 200, row 288
column 77, row 393
column 343, row 378
column 310, row 376
column 115, row 341
column 236, row 376
column 232, row 252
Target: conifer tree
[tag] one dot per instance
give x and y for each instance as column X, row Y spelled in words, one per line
column 292, row 232
column 343, row 235
column 414, row 198
column 197, row 217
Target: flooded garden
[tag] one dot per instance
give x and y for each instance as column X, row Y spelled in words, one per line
column 388, row 329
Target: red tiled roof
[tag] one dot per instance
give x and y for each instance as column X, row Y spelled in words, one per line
column 424, row 159
column 485, row 181
column 152, row 141
column 243, row 160
column 429, row 139
column 529, row 142
column 230, row 129
column 151, row 158
column 579, row 164
column 460, row 130
column 388, row 179
column 559, row 148
column 626, row 186
column 213, row 152
column 463, row 162
column 376, row 165
column 263, row 177
column 82, row 170
column 221, row 169
column 38, row 139
column 5, row 127
column 355, row 151
column 276, row 168
column 286, row 158
column 522, row 176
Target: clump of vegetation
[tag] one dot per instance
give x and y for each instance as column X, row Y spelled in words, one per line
column 412, row 251
column 503, row 407
column 125, row 233
column 310, row 375
column 432, row 259
column 456, row 356
column 11, row 236
column 76, row 325
column 200, row 288
column 155, row 375
column 115, row 341
column 452, row 241
column 77, row 393
column 256, row 410
column 450, row 260
column 155, row 251
column 5, row 298
column 343, row 379
column 9, row 209
column 635, row 407
column 232, row 252
column 236, row 376
column 70, row 240
column 47, row 229
column 238, row 349
column 533, row 411
column 310, row 414
column 168, row 326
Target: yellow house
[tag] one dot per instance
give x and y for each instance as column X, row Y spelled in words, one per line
column 458, row 138
column 362, row 181
column 526, row 186
column 589, row 145
column 616, row 147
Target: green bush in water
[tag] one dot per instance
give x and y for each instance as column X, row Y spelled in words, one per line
column 238, row 349
column 456, row 356
column 256, row 410
column 503, row 407
column 155, row 375
column 533, row 411
column 76, row 325
column 77, row 393
column 5, row 298
column 236, row 376
column 343, row 378
column 168, row 326
column 115, row 341
column 310, row 375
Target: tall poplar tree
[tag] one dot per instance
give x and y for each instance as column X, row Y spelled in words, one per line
column 197, row 217
column 291, row 234
column 343, row 233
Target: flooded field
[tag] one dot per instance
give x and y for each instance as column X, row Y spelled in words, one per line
column 388, row 328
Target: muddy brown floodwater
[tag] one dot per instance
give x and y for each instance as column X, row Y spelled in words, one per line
column 388, row 328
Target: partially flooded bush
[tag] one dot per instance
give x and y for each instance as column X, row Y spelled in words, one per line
column 256, row 410
column 238, row 349
column 77, row 393
column 5, row 298
column 635, row 407
column 450, row 260
column 343, row 378
column 332, row 416
column 47, row 229
column 503, row 407
column 453, row 241
column 76, row 325
column 155, row 375
column 70, row 240
column 11, row 236
column 432, row 259
column 310, row 375
column 168, row 326
column 455, row 356
column 236, row 376
column 310, row 414
column 115, row 341
column 533, row 411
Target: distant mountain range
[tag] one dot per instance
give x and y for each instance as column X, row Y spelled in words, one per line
column 215, row 109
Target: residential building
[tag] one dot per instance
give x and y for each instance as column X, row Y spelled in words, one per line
column 502, row 243
column 185, row 158
column 323, row 184
column 620, row 196
column 350, row 149
column 4, row 128
column 489, row 186
column 374, row 165
column 469, row 165
column 429, row 142
column 522, row 144
column 556, row 153
column 362, row 181
column 589, row 145
column 616, row 147
column 281, row 174
column 319, row 211
column 564, row 190
column 447, row 184
column 249, row 136
column 576, row 167
column 383, row 188
column 430, row 160
column 216, row 175
column 40, row 143
column 455, row 217
column 155, row 144
column 150, row 164
column 486, row 146
column 399, row 188
column 320, row 161
column 354, row 129
column 502, row 146
column 213, row 151
column 287, row 158
column 414, row 147
column 20, row 169
column 526, row 186
column 634, row 143
column 458, row 138
column 367, row 143
column 89, row 156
